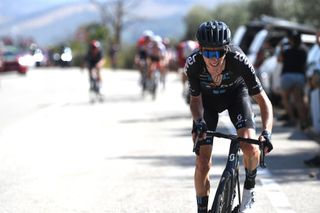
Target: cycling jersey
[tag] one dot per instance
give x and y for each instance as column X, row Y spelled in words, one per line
column 142, row 47
column 93, row 58
column 238, row 72
column 238, row 82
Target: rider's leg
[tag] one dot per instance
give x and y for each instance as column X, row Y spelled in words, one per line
column 203, row 164
column 201, row 177
column 251, row 155
column 242, row 117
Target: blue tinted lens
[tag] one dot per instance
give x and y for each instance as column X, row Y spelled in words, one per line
column 213, row 53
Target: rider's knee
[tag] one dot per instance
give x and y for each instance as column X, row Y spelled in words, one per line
column 203, row 164
column 249, row 149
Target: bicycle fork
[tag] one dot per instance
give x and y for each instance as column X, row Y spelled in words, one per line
column 232, row 169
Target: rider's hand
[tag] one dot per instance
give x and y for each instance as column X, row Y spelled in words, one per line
column 265, row 137
column 199, row 129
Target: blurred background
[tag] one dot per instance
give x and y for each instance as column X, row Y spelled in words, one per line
column 60, row 152
column 48, row 27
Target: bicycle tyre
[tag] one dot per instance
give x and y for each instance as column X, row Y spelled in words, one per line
column 224, row 195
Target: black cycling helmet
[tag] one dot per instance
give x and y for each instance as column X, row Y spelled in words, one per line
column 213, row 34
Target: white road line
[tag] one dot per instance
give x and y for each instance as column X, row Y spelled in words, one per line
column 277, row 198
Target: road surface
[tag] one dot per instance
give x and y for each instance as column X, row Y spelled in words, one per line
column 59, row 153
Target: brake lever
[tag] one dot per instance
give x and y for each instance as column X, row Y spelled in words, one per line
column 195, row 145
column 262, row 155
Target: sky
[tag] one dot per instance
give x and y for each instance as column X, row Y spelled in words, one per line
column 37, row 16
column 9, row 8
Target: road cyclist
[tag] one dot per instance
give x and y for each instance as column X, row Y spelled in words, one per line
column 222, row 78
column 141, row 56
column 94, row 62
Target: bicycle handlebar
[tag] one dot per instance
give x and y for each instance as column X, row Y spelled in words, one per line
column 236, row 138
column 233, row 137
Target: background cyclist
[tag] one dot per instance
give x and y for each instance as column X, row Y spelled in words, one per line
column 142, row 54
column 221, row 78
column 95, row 61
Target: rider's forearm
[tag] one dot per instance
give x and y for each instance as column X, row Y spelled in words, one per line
column 266, row 110
column 196, row 107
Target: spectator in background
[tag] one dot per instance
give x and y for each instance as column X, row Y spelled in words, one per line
column 113, row 52
column 313, row 74
column 294, row 59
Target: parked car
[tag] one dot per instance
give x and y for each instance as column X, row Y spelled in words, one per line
column 261, row 40
column 40, row 57
column 267, row 28
column 14, row 60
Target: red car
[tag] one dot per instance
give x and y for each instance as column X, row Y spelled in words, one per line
column 12, row 60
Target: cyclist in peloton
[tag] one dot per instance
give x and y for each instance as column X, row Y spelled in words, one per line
column 156, row 54
column 95, row 61
column 142, row 54
column 221, row 78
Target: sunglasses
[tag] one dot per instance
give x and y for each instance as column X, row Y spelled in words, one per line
column 213, row 53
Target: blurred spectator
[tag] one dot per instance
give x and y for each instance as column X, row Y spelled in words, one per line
column 313, row 75
column 294, row 59
column 113, row 51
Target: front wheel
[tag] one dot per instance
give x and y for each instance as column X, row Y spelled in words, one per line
column 224, row 196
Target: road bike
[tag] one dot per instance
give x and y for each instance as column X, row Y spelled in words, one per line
column 150, row 82
column 229, row 183
column 95, row 85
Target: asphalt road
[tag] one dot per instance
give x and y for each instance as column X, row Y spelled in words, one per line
column 59, row 153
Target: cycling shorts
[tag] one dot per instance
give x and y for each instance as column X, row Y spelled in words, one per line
column 238, row 104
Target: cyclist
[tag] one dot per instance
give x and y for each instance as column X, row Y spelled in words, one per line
column 155, row 61
column 184, row 49
column 95, row 61
column 142, row 54
column 221, row 78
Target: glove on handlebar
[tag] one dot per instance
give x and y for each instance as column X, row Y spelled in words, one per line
column 199, row 126
column 267, row 136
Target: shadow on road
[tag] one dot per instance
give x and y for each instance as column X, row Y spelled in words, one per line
column 155, row 119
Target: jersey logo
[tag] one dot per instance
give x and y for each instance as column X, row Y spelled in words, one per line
column 190, row 60
column 243, row 58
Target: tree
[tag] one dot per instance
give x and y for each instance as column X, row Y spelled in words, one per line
column 117, row 14
column 234, row 15
column 257, row 7
column 196, row 16
column 308, row 12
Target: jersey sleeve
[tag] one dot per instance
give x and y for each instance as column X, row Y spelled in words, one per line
column 247, row 72
column 191, row 71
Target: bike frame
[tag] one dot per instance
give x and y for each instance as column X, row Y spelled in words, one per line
column 231, row 170
column 226, row 190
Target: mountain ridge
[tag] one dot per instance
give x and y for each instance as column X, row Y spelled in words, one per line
column 58, row 22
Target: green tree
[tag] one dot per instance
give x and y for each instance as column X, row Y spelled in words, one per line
column 257, row 7
column 97, row 31
column 85, row 34
column 308, row 12
column 195, row 16
column 233, row 15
